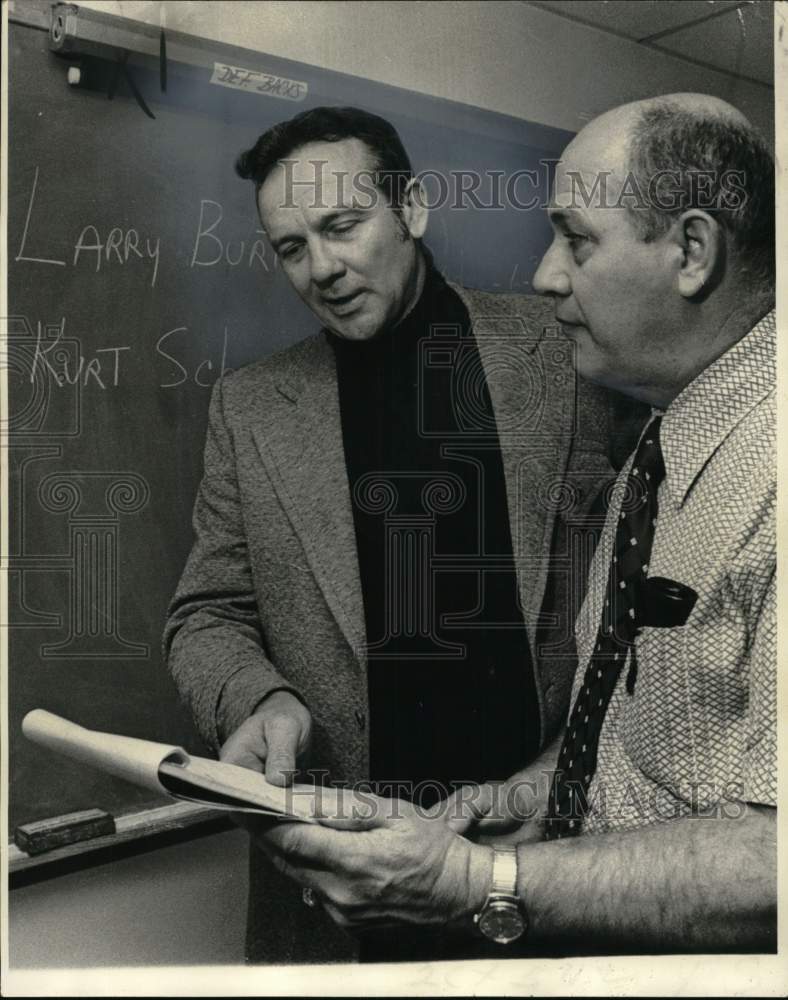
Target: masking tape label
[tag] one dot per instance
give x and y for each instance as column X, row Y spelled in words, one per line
column 257, row 82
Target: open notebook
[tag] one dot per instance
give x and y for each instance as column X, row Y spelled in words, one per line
column 169, row 770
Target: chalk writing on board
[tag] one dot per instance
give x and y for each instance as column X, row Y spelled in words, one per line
column 180, row 373
column 66, row 368
column 97, row 248
column 120, row 246
column 22, row 245
column 259, row 83
column 211, row 246
column 36, row 411
column 50, row 360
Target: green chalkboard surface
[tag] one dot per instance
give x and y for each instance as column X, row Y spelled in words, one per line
column 137, row 272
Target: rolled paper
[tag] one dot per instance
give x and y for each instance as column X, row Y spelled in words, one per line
column 124, row 756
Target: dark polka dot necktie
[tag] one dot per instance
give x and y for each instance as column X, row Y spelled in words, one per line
column 615, row 638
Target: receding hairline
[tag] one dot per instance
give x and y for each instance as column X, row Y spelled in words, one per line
column 621, row 125
column 705, row 107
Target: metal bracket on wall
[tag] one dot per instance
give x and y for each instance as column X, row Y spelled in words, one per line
column 82, row 36
column 84, row 32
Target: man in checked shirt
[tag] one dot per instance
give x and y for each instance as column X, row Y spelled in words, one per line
column 655, row 829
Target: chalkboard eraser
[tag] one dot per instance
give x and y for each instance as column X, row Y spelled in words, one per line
column 47, row 834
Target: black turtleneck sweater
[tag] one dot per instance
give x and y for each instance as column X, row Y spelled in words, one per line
column 451, row 685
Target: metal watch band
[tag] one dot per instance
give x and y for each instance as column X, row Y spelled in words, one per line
column 504, row 870
column 503, row 919
column 504, row 875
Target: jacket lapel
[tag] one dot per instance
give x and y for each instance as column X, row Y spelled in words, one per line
column 300, row 444
column 527, row 372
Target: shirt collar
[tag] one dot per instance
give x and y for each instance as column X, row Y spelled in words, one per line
column 714, row 403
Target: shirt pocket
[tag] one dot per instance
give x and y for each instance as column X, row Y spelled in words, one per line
column 684, row 726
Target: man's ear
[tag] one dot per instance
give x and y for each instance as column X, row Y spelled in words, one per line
column 702, row 245
column 414, row 211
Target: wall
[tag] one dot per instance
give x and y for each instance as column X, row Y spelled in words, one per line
column 503, row 56
column 187, row 904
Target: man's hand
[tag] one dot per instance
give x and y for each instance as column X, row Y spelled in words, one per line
column 495, row 812
column 272, row 738
column 393, row 865
column 509, row 811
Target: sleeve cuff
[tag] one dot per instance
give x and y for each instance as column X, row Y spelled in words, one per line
column 240, row 695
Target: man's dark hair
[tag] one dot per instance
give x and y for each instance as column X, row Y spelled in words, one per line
column 389, row 163
column 698, row 159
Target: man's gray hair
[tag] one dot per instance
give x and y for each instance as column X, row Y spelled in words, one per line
column 686, row 159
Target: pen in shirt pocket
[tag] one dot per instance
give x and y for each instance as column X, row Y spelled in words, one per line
column 665, row 604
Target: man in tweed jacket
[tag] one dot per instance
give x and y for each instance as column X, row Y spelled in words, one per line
column 267, row 637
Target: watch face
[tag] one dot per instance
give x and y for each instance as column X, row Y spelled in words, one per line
column 502, row 921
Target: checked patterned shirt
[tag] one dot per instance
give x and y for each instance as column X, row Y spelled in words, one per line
column 697, row 733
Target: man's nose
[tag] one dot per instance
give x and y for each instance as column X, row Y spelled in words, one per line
column 325, row 264
column 551, row 277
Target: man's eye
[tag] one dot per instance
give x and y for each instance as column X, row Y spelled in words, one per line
column 344, row 227
column 579, row 245
column 290, row 250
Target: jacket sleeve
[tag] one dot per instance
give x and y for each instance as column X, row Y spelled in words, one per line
column 213, row 642
column 606, row 432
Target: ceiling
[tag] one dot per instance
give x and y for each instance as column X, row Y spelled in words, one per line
column 733, row 36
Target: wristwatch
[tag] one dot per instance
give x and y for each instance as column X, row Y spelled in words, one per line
column 502, row 918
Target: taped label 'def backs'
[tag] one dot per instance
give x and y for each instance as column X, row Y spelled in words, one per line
column 258, row 82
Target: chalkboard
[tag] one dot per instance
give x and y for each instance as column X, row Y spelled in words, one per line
column 137, row 272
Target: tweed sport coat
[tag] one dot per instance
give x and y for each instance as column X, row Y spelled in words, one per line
column 271, row 597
